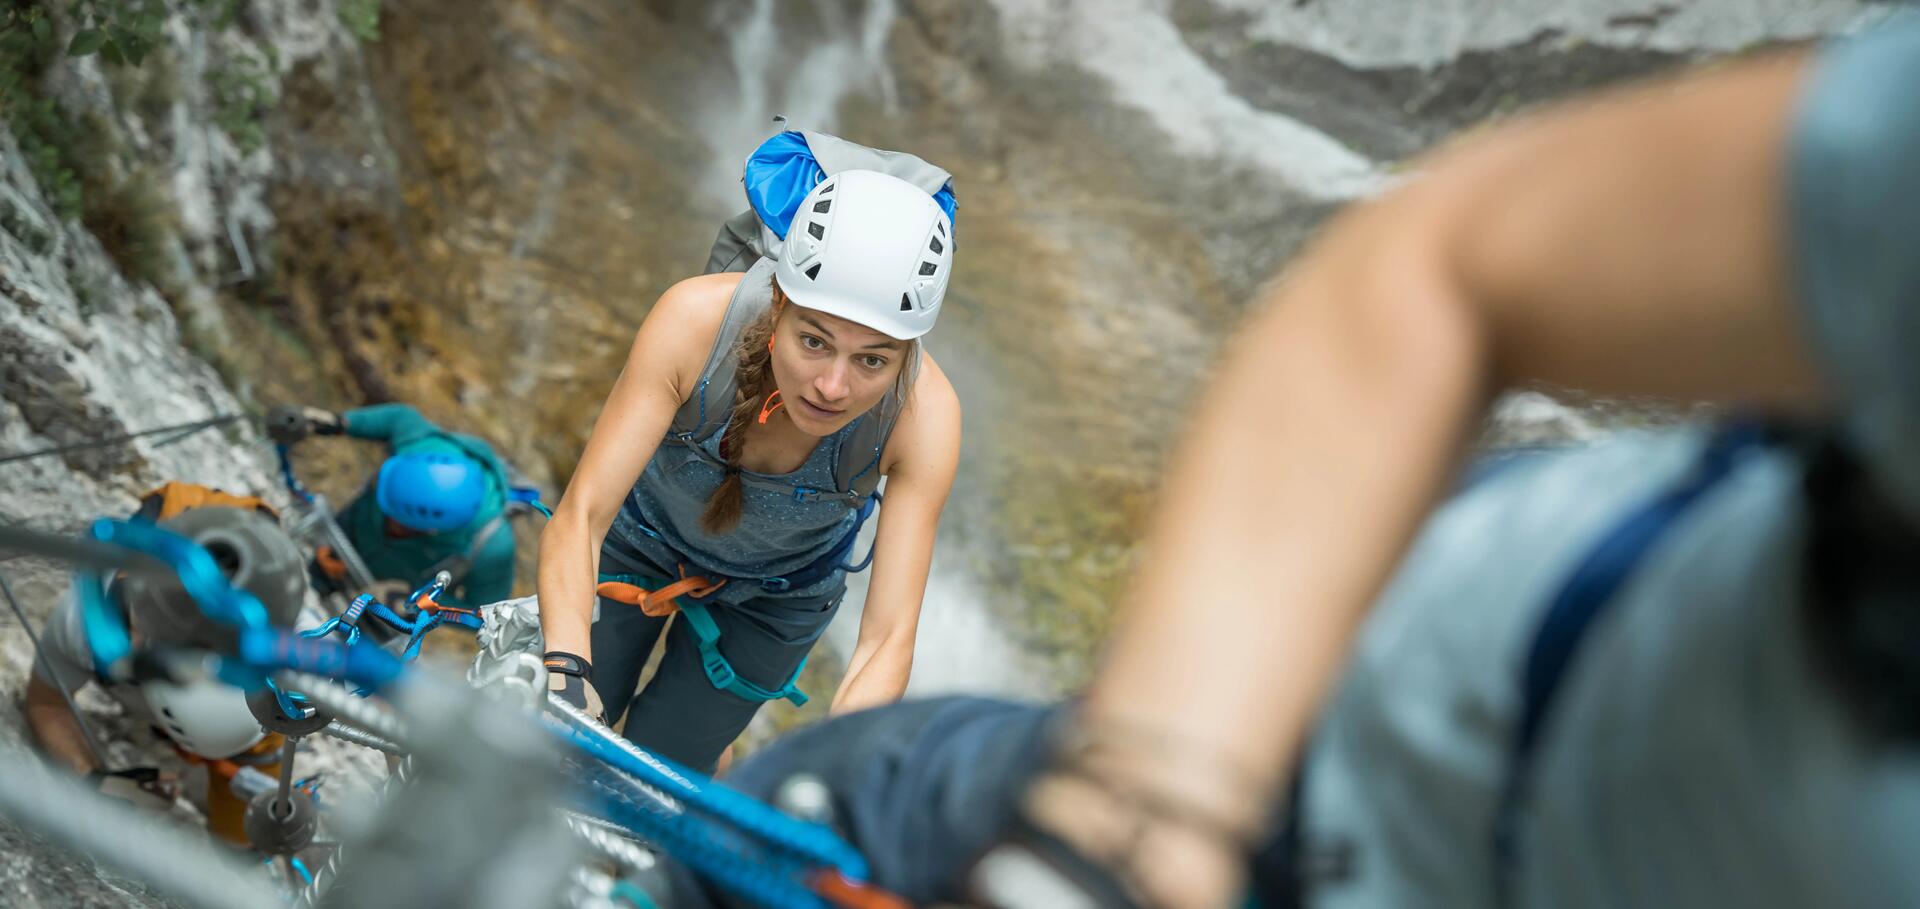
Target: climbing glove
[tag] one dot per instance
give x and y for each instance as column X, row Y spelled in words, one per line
column 287, row 424
column 571, row 677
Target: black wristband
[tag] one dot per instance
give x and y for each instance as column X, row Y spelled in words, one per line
column 566, row 663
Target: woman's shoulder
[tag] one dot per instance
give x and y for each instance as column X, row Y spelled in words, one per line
column 689, row 314
column 679, row 331
column 697, row 302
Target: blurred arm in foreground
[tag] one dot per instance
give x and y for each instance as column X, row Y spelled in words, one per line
column 1629, row 245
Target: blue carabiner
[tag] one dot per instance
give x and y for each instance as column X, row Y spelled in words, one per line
column 431, row 589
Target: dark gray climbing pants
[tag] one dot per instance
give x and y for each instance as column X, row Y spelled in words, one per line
column 679, row 714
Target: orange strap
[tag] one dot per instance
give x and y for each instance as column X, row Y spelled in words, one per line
column 659, row 603
column 840, row 891
column 330, row 563
column 772, row 404
column 427, row 604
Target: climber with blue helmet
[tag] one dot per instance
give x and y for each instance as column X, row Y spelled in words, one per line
column 438, row 503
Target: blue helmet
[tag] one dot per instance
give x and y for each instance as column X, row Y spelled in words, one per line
column 430, row 492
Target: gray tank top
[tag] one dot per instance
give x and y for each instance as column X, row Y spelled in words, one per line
column 778, row 533
column 789, row 520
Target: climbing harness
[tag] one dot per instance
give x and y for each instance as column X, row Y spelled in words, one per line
column 681, row 596
column 658, row 597
column 171, row 499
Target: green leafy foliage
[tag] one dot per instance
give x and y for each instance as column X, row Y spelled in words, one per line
column 362, row 18
column 121, row 31
column 243, row 94
column 27, row 41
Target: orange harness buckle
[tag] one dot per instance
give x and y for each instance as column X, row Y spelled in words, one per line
column 660, row 603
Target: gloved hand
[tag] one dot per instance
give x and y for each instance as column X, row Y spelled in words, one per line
column 145, row 788
column 571, row 677
column 287, row 424
column 1106, row 822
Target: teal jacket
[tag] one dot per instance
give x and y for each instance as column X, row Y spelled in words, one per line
column 405, row 431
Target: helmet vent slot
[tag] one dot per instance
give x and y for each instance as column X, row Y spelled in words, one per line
column 826, row 189
column 906, row 305
column 822, row 205
column 927, row 268
column 935, row 245
column 814, row 272
column 817, row 230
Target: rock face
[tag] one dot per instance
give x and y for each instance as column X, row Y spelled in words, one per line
column 87, row 353
column 475, row 212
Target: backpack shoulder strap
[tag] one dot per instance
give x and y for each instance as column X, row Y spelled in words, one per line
column 704, row 412
column 1583, row 598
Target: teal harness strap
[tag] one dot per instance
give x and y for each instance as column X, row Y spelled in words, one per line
column 707, row 634
column 721, row 673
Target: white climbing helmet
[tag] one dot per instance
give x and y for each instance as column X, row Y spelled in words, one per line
column 871, row 249
column 205, row 717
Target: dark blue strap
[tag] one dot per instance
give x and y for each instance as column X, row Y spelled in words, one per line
column 832, row 560
column 1581, row 601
